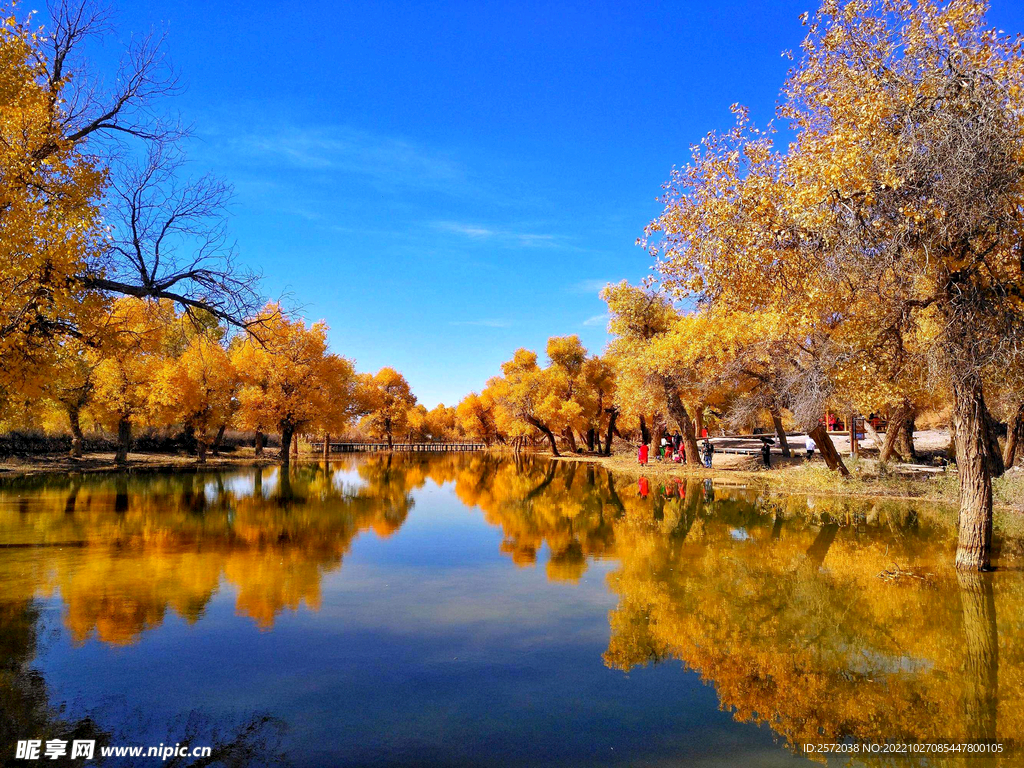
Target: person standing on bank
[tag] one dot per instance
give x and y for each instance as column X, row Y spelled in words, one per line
column 766, row 455
column 707, row 450
column 810, row 445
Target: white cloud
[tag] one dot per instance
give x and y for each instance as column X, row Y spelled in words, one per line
column 593, row 286
column 501, row 236
column 596, row 320
column 485, row 323
column 388, row 161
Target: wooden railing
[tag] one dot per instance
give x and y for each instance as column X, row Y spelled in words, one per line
column 407, row 447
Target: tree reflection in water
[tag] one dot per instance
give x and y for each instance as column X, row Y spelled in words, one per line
column 825, row 618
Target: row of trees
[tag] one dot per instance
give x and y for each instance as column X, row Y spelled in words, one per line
column 888, row 231
column 146, row 364
column 873, row 263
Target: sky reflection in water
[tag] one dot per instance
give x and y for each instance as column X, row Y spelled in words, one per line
column 474, row 609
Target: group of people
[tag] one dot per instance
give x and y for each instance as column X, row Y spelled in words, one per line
column 672, row 448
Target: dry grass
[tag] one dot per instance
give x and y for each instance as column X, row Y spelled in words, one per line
column 867, row 477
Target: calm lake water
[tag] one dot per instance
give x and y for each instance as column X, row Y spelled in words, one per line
column 476, row 610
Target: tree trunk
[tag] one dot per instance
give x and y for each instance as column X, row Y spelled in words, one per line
column 295, row 447
column 327, row 447
column 905, row 439
column 996, row 467
column 260, row 440
column 645, row 434
column 547, row 433
column 124, row 439
column 893, row 429
column 678, row 411
column 77, row 439
column 613, row 414
column 974, row 544
column 215, row 449
column 591, row 436
column 570, row 438
column 286, row 445
column 780, row 431
column 201, row 448
column 828, row 450
column 852, row 424
column 698, row 421
column 1013, row 436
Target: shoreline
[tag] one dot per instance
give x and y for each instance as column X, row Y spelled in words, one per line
column 15, row 467
column 796, row 476
column 787, row 476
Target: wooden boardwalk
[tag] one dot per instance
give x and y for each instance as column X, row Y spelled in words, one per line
column 404, row 447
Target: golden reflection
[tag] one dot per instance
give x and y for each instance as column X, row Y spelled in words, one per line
column 826, row 619
column 121, row 552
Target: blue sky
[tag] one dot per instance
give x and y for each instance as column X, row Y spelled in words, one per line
column 446, row 182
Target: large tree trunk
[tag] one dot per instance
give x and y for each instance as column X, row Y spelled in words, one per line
column 645, row 434
column 77, row 439
column 547, row 433
column 570, row 438
column 124, row 439
column 828, row 450
column 327, row 447
column 215, row 448
column 591, row 437
column 286, row 445
column 893, row 429
column 974, row 545
column 678, row 412
column 260, row 442
column 613, row 414
column 780, row 431
column 995, row 456
column 201, row 447
column 1013, row 436
column 698, row 421
column 905, row 438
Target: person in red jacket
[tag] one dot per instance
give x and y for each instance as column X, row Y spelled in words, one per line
column 642, row 454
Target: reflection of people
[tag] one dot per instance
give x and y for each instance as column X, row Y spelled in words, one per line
column 810, row 445
column 641, row 455
column 642, row 487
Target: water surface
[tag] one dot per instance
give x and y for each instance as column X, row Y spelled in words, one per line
column 482, row 610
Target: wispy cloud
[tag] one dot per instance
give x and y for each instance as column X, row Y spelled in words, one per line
column 596, row 320
column 501, row 236
column 387, row 161
column 590, row 286
column 486, row 323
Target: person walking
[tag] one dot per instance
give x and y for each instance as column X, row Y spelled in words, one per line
column 641, row 454
column 810, row 445
column 708, row 450
column 766, row 454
